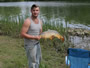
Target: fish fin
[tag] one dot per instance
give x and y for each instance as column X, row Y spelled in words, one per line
column 51, row 37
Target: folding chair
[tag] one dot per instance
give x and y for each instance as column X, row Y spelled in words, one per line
column 78, row 58
column 89, row 60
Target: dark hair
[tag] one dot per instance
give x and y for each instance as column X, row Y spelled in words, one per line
column 34, row 6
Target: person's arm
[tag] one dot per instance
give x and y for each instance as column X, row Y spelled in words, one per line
column 24, row 30
column 41, row 27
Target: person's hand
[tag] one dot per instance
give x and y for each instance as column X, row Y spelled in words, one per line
column 37, row 37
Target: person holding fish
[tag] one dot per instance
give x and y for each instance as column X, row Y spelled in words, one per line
column 32, row 33
column 31, row 30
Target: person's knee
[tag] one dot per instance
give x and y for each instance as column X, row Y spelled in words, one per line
column 34, row 59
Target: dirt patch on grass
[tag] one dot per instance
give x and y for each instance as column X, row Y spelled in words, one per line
column 0, row 64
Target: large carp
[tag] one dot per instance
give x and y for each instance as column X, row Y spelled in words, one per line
column 51, row 34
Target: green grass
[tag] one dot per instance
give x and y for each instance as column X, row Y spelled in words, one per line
column 10, row 28
column 12, row 54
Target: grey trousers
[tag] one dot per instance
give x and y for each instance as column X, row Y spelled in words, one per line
column 34, row 55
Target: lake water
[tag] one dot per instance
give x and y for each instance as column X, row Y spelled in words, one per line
column 76, row 15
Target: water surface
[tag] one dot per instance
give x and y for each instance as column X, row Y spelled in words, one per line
column 75, row 14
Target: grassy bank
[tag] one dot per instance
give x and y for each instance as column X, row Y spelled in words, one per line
column 12, row 29
column 12, row 54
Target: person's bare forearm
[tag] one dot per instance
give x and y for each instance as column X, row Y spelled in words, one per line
column 30, row 36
